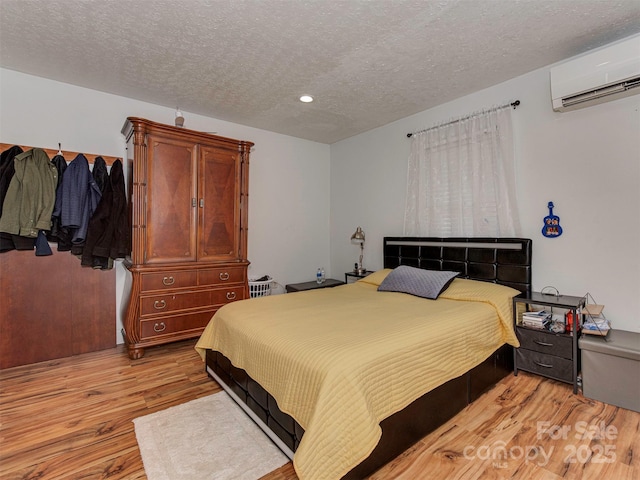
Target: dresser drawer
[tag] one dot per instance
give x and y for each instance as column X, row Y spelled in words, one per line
column 175, row 301
column 547, row 365
column 544, row 342
column 168, row 280
column 190, row 325
column 220, row 296
column 221, row 275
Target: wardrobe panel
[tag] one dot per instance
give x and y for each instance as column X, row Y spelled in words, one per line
column 51, row 307
column 219, row 229
column 171, row 194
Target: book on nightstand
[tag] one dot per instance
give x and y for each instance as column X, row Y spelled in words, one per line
column 539, row 320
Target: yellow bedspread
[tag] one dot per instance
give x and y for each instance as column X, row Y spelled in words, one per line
column 340, row 360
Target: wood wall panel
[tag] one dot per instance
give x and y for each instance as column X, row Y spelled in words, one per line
column 51, row 307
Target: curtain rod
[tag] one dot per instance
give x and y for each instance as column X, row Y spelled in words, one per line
column 512, row 104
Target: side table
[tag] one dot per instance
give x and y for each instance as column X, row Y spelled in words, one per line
column 553, row 355
column 301, row 287
column 355, row 276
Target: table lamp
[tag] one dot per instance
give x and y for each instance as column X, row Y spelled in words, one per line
column 358, row 237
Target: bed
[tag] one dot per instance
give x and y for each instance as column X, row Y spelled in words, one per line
column 347, row 378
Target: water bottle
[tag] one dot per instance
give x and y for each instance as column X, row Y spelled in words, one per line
column 322, row 275
column 319, row 276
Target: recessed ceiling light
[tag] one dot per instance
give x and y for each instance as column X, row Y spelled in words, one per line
column 306, row 98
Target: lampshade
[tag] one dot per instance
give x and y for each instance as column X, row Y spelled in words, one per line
column 358, row 236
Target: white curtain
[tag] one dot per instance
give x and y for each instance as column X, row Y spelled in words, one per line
column 461, row 179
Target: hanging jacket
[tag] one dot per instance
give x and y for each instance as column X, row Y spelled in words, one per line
column 30, row 197
column 77, row 199
column 100, row 173
column 7, row 170
column 109, row 235
column 59, row 234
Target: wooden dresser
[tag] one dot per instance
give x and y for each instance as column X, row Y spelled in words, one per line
column 189, row 230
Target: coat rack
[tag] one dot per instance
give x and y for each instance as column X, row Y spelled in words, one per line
column 68, row 155
column 84, row 317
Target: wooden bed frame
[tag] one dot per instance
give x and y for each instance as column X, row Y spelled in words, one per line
column 506, row 261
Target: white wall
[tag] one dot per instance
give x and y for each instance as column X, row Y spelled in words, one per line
column 586, row 161
column 288, row 177
column 306, row 199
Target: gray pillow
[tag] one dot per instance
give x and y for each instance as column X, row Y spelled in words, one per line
column 416, row 281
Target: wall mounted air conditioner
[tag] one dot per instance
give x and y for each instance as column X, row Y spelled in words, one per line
column 606, row 74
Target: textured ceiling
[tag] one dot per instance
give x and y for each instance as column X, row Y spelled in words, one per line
column 367, row 63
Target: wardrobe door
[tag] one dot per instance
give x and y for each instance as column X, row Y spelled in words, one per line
column 219, row 194
column 171, row 197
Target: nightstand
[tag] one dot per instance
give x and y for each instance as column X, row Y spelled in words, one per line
column 301, row 287
column 553, row 355
column 351, row 277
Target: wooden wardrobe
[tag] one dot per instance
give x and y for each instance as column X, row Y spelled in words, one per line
column 189, row 205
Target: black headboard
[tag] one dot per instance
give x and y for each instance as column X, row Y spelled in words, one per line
column 506, row 261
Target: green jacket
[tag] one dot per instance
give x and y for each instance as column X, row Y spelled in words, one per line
column 31, row 195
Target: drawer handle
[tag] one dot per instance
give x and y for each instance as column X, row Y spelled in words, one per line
column 544, row 344
column 159, row 327
column 224, row 276
column 159, row 305
column 545, row 365
column 168, row 281
column 231, row 295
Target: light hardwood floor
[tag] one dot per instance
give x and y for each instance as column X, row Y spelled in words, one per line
column 72, row 419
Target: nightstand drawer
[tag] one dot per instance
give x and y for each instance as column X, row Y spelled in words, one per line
column 545, row 342
column 547, row 365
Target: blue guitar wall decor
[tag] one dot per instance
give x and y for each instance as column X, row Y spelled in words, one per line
column 551, row 228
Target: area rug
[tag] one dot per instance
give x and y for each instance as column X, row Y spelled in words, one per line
column 207, row 438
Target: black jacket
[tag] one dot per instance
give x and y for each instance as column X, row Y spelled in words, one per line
column 109, row 235
column 100, row 173
column 59, row 234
